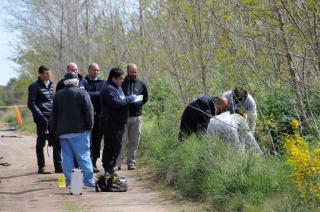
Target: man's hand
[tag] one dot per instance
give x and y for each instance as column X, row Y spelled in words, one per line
column 52, row 139
column 132, row 98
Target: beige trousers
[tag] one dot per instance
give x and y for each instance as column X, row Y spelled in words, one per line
column 130, row 140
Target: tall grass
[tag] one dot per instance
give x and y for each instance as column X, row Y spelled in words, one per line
column 209, row 171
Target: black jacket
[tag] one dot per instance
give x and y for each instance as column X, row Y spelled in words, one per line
column 114, row 105
column 40, row 100
column 93, row 87
column 72, row 111
column 137, row 87
column 196, row 116
column 82, row 83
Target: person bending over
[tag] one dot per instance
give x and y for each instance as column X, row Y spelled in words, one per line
column 196, row 116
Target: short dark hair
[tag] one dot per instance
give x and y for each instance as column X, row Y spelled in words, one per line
column 115, row 72
column 239, row 94
column 42, row 68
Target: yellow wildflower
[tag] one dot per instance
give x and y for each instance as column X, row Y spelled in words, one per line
column 295, row 124
column 305, row 164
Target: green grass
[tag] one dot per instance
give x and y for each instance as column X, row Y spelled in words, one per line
column 71, row 206
column 209, row 171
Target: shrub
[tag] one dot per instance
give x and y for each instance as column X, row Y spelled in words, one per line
column 206, row 170
column 306, row 167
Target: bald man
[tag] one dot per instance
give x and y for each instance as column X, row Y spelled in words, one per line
column 131, row 137
column 197, row 114
column 72, row 67
column 93, row 85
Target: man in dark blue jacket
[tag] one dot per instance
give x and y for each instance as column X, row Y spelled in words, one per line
column 197, row 114
column 115, row 113
column 93, row 85
column 40, row 98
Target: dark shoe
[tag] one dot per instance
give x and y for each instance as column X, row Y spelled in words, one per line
column 43, row 170
column 117, row 168
column 58, row 170
column 132, row 167
column 96, row 170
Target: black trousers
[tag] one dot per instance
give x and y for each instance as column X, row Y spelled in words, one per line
column 41, row 142
column 112, row 132
column 96, row 137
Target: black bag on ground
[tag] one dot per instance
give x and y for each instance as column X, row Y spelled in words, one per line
column 111, row 183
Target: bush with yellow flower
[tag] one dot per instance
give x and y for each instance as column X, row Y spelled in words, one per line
column 305, row 164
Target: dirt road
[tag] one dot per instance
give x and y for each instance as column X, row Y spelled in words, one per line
column 22, row 189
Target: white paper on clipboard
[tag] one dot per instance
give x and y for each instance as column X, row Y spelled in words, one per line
column 139, row 98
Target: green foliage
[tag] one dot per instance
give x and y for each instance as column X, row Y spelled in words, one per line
column 251, row 2
column 29, row 61
column 207, row 170
column 8, row 117
column 28, row 123
column 162, row 99
column 15, row 92
column 277, row 111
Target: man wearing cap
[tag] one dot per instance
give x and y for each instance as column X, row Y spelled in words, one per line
column 71, row 68
column 197, row 114
column 40, row 97
column 72, row 120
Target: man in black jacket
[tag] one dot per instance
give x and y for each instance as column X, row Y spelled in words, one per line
column 72, row 68
column 72, row 120
column 93, row 85
column 131, row 137
column 40, row 97
column 197, row 114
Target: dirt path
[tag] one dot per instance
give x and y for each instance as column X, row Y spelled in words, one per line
column 22, row 189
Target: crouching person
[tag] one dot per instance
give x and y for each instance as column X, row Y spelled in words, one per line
column 72, row 120
column 233, row 129
column 196, row 116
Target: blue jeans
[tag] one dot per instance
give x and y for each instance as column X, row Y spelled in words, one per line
column 77, row 147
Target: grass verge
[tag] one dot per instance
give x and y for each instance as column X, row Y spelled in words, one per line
column 211, row 172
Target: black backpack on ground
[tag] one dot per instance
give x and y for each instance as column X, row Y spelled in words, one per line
column 111, row 183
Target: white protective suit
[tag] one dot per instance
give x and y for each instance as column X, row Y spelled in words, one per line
column 248, row 107
column 233, row 128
